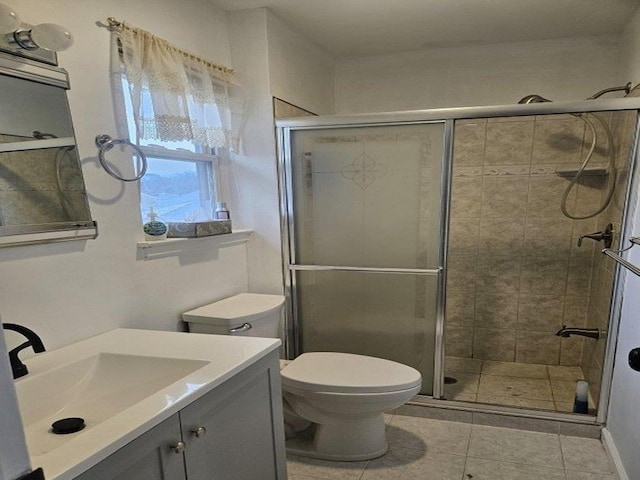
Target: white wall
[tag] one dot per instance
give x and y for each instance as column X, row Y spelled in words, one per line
column 624, row 420
column 300, row 72
column 630, row 50
column 69, row 291
column 569, row 69
column 253, row 177
column 270, row 59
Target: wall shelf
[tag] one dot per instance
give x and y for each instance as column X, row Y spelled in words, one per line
column 175, row 246
column 570, row 173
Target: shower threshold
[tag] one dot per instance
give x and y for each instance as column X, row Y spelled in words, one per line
column 500, row 416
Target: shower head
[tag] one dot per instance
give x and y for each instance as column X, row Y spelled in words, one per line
column 534, row 99
column 624, row 88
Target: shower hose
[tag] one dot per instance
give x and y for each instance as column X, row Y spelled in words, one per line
column 611, row 167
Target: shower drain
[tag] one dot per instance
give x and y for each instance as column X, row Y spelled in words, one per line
column 450, row 380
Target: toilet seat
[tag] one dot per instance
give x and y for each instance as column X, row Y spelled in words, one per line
column 347, row 373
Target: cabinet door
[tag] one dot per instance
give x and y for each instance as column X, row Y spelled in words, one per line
column 243, row 422
column 148, row 457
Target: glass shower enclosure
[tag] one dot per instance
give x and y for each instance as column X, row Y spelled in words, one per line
column 364, row 208
column 435, row 238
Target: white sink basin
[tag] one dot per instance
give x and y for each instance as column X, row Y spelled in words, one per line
column 123, row 383
column 95, row 389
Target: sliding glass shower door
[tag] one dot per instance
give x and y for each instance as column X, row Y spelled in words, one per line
column 364, row 218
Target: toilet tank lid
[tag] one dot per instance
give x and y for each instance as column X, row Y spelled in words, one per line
column 348, row 373
column 241, row 307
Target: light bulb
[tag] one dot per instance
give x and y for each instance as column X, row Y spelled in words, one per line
column 9, row 20
column 50, row 36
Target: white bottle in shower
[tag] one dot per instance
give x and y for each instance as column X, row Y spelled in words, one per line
column 581, row 402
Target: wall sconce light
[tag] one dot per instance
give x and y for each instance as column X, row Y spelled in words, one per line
column 30, row 41
column 48, row 36
column 9, row 20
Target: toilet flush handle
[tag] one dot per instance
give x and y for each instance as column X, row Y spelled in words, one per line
column 242, row 328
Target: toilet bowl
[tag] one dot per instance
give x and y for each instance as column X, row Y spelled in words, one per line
column 333, row 402
column 344, row 396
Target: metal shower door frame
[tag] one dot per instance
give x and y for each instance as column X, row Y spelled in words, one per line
column 290, row 265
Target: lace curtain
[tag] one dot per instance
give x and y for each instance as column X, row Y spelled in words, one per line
column 175, row 96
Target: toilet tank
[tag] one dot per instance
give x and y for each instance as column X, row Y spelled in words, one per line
column 248, row 314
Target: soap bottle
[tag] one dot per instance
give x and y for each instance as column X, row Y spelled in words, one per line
column 221, row 212
column 581, row 402
column 154, row 229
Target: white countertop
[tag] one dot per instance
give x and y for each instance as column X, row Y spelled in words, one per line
column 222, row 357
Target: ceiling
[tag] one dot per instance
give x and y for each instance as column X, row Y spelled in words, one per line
column 351, row 28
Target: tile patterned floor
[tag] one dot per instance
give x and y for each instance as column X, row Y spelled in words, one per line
column 547, row 387
column 427, row 449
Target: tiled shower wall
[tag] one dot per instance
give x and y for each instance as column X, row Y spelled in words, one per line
column 515, row 272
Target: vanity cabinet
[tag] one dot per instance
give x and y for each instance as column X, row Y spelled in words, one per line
column 234, row 432
column 147, row 457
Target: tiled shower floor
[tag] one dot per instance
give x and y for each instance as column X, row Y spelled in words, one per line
column 427, row 449
column 526, row 385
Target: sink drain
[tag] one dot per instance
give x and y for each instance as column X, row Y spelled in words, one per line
column 67, row 425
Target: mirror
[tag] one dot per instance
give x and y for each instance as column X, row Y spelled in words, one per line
column 41, row 185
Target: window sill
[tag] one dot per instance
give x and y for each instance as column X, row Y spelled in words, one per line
column 149, row 250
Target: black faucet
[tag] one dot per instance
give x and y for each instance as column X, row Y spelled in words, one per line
column 18, row 368
column 606, row 236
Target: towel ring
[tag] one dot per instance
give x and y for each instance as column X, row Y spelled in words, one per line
column 105, row 143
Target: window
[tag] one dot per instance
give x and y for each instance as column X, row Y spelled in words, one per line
column 178, row 112
column 181, row 176
column 178, row 191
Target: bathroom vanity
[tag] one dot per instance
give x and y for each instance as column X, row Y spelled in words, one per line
column 227, row 434
column 157, row 405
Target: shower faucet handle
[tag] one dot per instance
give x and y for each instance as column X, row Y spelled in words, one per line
column 606, row 236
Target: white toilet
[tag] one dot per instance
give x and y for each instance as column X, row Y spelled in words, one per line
column 342, row 395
